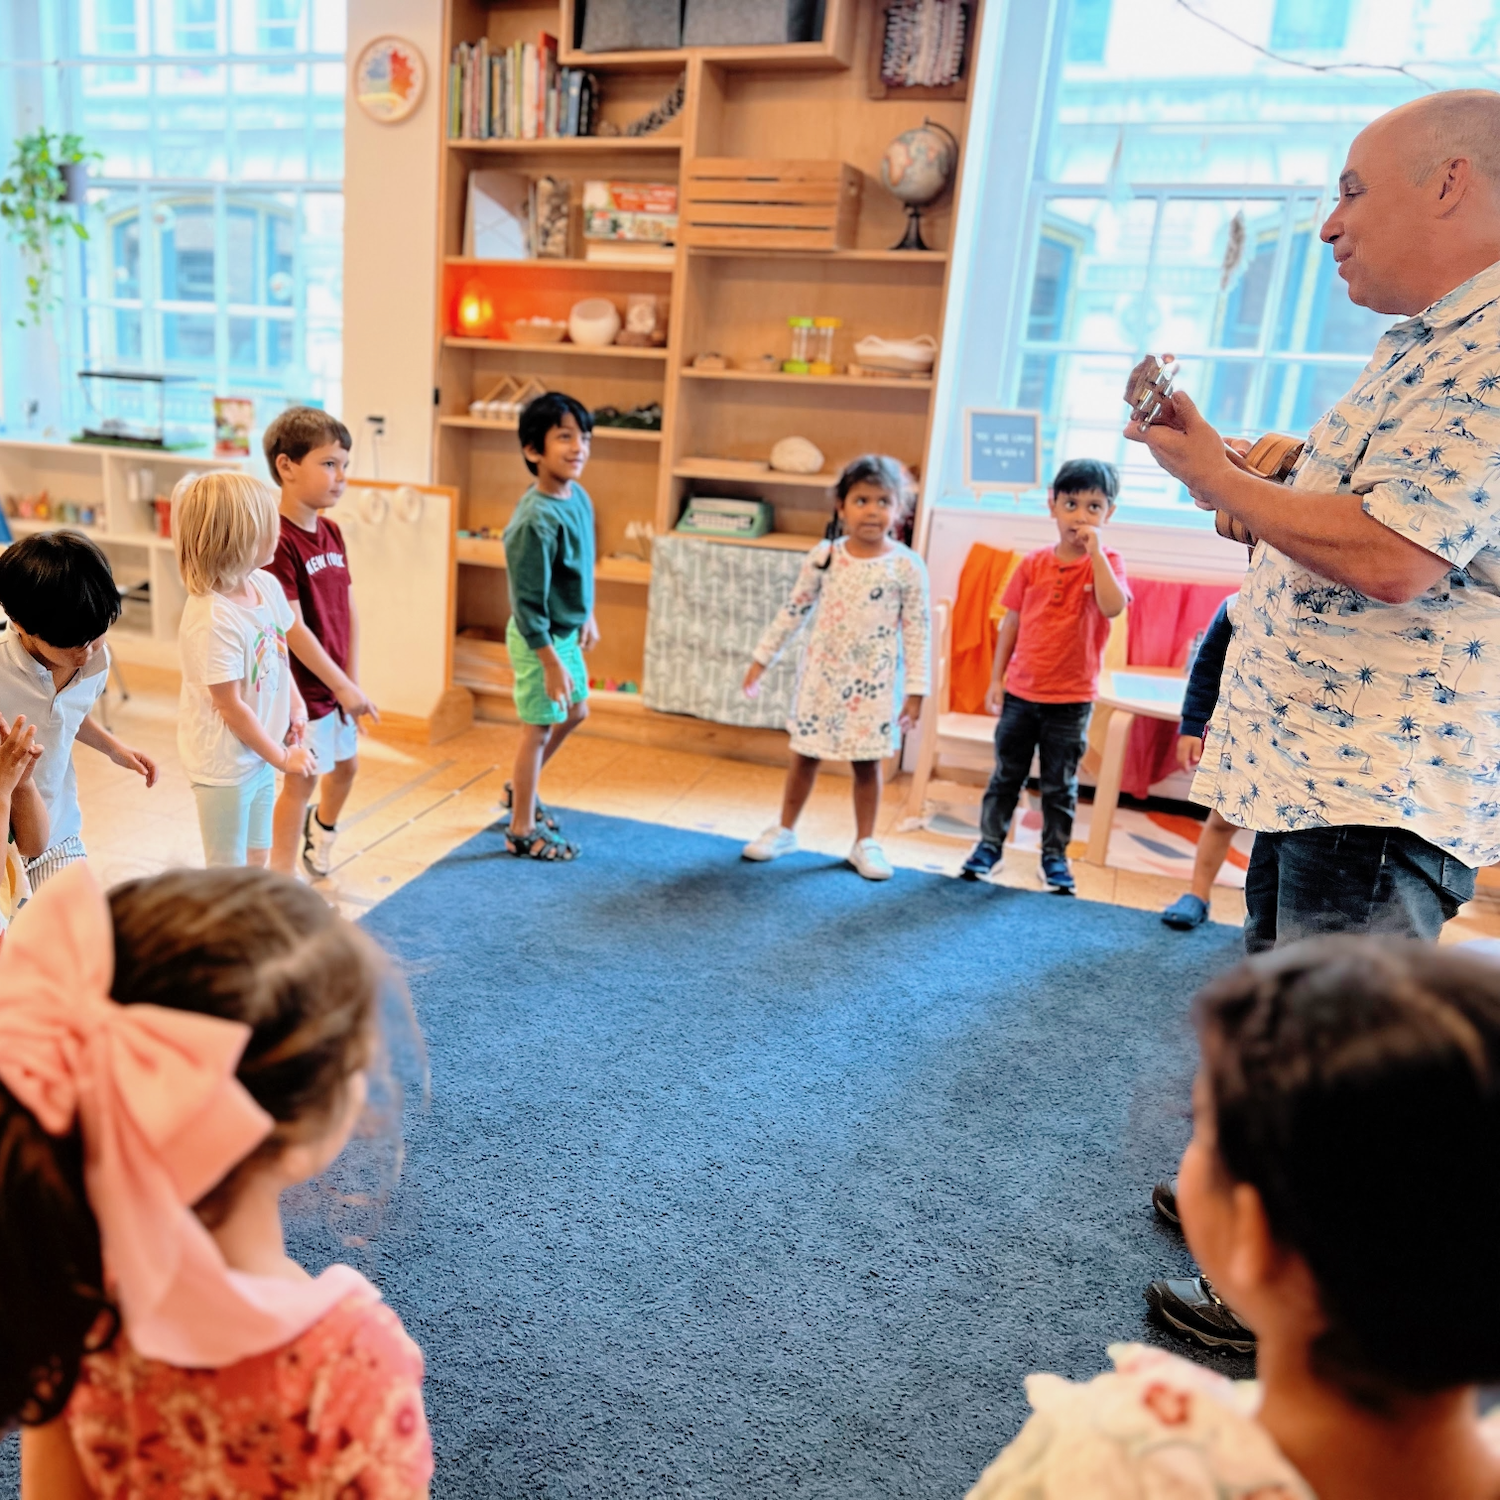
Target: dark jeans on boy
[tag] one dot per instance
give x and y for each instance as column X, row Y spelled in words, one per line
column 1059, row 733
column 1353, row 878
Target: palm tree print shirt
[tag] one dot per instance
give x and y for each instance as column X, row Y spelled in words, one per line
column 1338, row 709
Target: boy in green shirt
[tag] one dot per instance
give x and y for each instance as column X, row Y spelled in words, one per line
column 549, row 562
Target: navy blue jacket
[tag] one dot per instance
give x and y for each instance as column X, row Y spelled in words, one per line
column 1202, row 693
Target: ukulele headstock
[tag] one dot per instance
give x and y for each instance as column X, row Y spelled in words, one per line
column 1149, row 388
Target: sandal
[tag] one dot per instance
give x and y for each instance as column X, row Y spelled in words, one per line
column 540, row 844
column 544, row 814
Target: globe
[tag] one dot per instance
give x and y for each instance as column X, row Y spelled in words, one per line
column 916, row 169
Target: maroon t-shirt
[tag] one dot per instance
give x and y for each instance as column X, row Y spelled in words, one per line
column 311, row 567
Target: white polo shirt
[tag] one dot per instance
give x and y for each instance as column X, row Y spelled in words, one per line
column 26, row 687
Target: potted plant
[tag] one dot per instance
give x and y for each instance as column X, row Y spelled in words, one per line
column 46, row 176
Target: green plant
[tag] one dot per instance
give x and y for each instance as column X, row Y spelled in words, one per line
column 31, row 203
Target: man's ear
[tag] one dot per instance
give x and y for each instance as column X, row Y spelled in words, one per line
column 1454, row 180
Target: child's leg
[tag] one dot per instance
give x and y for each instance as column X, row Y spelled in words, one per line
column 1062, row 740
column 288, row 821
column 867, row 779
column 259, row 817
column 224, row 821
column 334, row 789
column 577, row 713
column 531, row 748
column 1213, row 850
column 800, row 777
column 1015, row 744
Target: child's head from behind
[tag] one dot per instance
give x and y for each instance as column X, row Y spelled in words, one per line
column 556, row 433
column 1083, row 494
column 307, row 452
column 874, row 494
column 1343, row 1081
column 57, row 590
column 241, row 944
column 224, row 525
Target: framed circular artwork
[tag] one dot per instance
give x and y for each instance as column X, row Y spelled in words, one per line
column 389, row 77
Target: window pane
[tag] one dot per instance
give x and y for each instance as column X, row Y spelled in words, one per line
column 195, row 25
column 127, row 335
column 240, row 264
column 125, row 238
column 242, row 341
column 187, row 253
column 188, row 337
column 1306, row 25
column 1088, row 31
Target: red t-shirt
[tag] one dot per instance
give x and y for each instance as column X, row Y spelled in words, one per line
column 311, row 567
column 1062, row 631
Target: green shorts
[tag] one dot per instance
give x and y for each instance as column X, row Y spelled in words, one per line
column 533, row 706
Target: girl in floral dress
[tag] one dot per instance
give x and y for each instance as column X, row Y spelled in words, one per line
column 1341, row 1189
column 173, row 1057
column 865, row 595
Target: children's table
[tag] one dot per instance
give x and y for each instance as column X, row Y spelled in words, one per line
column 1124, row 696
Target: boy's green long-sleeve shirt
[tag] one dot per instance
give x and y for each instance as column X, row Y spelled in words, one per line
column 549, row 563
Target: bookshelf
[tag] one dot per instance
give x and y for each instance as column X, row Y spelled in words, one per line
column 765, row 102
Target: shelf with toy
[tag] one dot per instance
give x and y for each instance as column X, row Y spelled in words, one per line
column 489, row 552
column 780, row 377
column 486, row 424
column 576, row 145
column 510, row 346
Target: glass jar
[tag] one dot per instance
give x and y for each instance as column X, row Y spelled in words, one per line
column 820, row 361
column 802, row 338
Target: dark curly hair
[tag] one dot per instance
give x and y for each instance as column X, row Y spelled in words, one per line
column 243, row 944
column 1356, row 1087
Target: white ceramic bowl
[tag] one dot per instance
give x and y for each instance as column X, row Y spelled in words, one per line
column 594, row 322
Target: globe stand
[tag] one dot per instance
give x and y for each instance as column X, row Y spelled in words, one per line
column 912, row 239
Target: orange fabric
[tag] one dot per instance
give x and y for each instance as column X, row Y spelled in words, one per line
column 1063, row 632
column 976, row 623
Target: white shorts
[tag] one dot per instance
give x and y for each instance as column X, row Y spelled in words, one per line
column 236, row 819
column 331, row 739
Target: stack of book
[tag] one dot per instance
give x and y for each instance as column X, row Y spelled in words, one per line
column 518, row 93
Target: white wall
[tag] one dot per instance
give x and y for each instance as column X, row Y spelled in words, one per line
column 390, row 247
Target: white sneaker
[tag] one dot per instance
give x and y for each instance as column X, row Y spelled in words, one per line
column 869, row 859
column 317, row 846
column 772, row 844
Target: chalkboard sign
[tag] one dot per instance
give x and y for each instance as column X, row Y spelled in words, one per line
column 1002, row 450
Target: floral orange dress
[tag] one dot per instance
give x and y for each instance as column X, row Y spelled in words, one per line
column 334, row 1415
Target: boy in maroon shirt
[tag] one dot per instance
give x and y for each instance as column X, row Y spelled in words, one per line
column 307, row 452
column 1059, row 603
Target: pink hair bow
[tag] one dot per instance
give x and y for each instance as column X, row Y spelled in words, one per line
column 163, row 1119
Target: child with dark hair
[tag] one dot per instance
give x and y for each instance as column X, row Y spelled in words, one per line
column 1346, row 1142
column 549, row 572
column 155, row 1338
column 865, row 595
column 307, row 452
column 1058, row 604
column 60, row 597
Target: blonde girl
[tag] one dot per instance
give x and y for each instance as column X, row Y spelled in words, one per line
column 240, row 718
column 173, row 1056
column 865, row 595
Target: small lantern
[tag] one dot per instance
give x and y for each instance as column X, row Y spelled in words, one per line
column 476, row 312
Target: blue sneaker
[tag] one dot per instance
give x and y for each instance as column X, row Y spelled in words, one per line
column 1186, row 912
column 984, row 859
column 1058, row 876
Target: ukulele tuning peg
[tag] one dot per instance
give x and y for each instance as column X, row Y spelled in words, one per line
column 1150, row 387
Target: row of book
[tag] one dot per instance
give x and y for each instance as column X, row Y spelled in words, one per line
column 518, row 93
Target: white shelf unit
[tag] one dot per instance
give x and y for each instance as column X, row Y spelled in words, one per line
column 98, row 476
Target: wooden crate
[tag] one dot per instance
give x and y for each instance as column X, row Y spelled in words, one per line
column 769, row 205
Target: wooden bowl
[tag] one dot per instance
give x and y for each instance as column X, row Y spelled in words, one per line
column 535, row 331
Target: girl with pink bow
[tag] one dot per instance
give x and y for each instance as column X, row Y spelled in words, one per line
column 173, row 1057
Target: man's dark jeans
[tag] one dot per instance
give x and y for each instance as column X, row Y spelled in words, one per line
column 1059, row 731
column 1350, row 879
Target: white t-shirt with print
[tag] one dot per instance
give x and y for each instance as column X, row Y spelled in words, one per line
column 221, row 641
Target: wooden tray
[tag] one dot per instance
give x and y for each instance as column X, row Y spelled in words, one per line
column 769, row 205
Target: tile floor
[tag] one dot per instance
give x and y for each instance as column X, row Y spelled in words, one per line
column 411, row 806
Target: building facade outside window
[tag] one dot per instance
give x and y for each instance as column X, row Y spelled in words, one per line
column 215, row 214
column 1177, row 202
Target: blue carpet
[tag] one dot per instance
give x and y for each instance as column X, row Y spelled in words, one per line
column 762, row 1180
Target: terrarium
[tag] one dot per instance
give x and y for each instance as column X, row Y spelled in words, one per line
column 129, row 408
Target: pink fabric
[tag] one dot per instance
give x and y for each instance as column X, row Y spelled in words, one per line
column 1165, row 615
column 163, row 1119
column 336, row 1412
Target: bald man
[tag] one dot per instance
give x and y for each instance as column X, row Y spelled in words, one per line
column 1358, row 723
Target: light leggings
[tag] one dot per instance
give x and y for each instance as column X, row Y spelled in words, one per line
column 235, row 819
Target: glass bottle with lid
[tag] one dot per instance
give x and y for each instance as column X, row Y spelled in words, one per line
column 802, row 339
column 820, row 360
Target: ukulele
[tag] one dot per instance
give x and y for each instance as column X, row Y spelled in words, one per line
column 1148, row 394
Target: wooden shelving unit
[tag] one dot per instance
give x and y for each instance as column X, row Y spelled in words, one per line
column 788, row 102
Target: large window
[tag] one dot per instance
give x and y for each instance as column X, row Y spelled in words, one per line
column 1177, row 204
column 215, row 215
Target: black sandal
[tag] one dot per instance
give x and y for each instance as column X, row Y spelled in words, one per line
column 544, row 814
column 540, row 844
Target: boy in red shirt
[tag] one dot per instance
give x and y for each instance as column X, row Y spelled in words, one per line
column 1058, row 603
column 307, row 452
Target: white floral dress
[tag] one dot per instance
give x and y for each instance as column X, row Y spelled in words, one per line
column 867, row 649
column 1154, row 1426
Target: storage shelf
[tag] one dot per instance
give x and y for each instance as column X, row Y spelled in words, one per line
column 779, row 377
column 790, row 55
column 778, row 541
column 891, row 257
column 120, row 450
column 532, row 263
column 709, row 468
column 484, row 424
column 569, row 145
column 489, row 552
column 581, row 351
column 19, row 526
